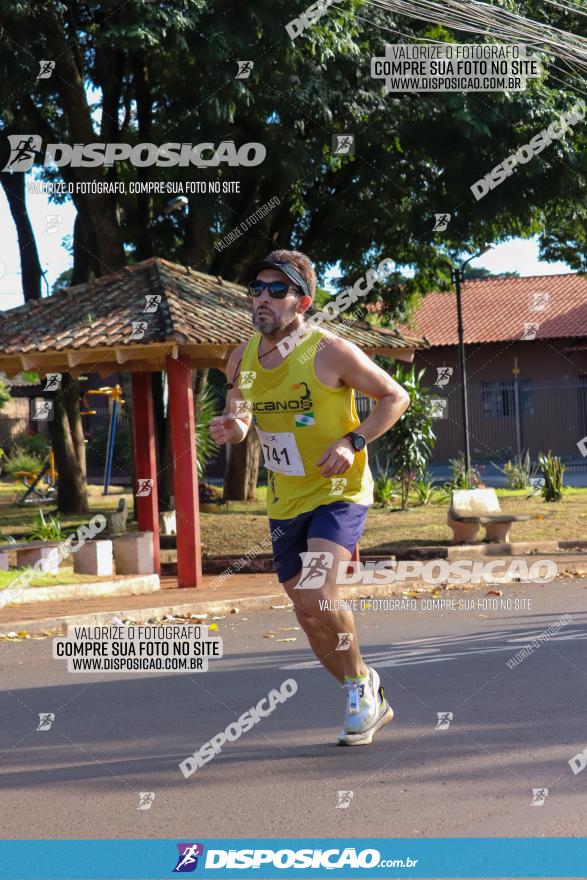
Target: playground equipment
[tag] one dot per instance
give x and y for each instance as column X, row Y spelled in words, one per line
column 41, row 486
column 116, row 396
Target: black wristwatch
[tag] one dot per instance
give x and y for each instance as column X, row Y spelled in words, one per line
column 357, row 440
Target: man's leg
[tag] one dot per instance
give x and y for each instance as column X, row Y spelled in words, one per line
column 323, row 625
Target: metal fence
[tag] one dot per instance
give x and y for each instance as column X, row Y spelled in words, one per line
column 509, row 416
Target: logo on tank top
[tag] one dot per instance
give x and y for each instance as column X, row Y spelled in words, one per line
column 302, row 403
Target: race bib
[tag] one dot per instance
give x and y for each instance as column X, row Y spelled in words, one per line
column 281, row 453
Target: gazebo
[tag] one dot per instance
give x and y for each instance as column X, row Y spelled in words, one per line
column 153, row 316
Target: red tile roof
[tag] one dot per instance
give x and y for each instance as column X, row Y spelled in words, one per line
column 496, row 309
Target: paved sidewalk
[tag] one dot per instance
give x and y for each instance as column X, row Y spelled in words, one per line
column 247, row 592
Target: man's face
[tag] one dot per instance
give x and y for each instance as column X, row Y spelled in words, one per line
column 272, row 315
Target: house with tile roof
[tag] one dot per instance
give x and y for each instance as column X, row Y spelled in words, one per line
column 526, row 362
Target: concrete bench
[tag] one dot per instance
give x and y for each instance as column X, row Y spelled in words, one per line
column 471, row 508
column 30, row 552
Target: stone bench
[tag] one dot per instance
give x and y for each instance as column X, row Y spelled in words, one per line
column 28, row 553
column 471, row 508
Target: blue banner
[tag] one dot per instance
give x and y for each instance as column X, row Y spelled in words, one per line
column 459, row 857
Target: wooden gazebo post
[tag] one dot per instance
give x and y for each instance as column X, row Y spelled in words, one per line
column 185, row 470
column 143, row 428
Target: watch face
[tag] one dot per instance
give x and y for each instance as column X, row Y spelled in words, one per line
column 359, row 442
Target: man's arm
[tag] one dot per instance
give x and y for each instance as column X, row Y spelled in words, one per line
column 354, row 368
column 233, row 426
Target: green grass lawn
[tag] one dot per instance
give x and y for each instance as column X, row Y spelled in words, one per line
column 239, row 526
column 64, row 576
column 242, row 526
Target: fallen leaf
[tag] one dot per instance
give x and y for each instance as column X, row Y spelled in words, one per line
column 289, row 605
column 268, row 635
column 288, row 628
column 494, row 593
column 213, row 626
column 287, row 640
column 235, row 610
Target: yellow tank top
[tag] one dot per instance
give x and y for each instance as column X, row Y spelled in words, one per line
column 297, row 418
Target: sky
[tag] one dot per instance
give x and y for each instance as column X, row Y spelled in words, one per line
column 520, row 255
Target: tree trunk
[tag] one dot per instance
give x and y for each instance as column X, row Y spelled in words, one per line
column 71, row 397
column 242, row 469
column 30, row 266
column 72, row 493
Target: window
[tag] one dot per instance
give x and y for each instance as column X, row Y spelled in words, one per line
column 499, row 398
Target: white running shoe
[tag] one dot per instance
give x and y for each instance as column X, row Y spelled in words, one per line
column 367, row 710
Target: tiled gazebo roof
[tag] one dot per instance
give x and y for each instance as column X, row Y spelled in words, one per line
column 103, row 325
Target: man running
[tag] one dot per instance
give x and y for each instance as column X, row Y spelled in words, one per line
column 301, row 400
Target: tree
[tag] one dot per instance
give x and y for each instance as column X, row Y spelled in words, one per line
column 167, row 71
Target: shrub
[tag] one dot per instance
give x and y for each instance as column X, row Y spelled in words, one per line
column 46, row 529
column 35, row 444
column 411, row 441
column 459, row 478
column 21, row 460
column 552, row 470
column 424, row 487
column 520, row 472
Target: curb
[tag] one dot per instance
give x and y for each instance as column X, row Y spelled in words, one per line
column 209, row 607
column 135, row 585
column 213, row 607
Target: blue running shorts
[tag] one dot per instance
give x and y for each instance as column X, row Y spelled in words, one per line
column 342, row 522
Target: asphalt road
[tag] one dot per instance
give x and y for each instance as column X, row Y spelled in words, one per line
column 512, row 731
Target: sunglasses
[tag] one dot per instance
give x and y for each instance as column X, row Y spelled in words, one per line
column 275, row 289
